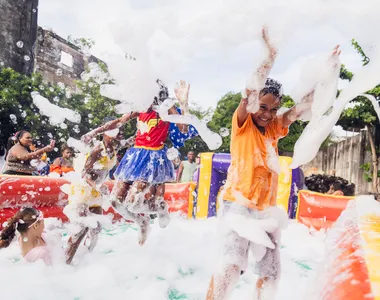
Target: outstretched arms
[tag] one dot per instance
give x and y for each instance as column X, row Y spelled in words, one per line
column 250, row 102
column 109, row 126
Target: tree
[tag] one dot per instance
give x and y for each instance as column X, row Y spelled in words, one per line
column 362, row 115
column 17, row 111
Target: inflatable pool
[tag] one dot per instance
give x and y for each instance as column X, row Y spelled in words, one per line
column 45, row 194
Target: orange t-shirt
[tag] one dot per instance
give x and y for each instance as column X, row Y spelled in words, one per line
column 249, row 174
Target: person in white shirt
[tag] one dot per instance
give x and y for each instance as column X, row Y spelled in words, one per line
column 187, row 168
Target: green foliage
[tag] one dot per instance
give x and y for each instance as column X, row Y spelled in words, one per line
column 345, row 74
column 15, row 99
column 367, row 168
column 81, row 43
column 362, row 113
column 367, row 171
column 358, row 48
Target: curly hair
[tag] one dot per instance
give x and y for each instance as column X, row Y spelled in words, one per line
column 20, row 222
column 272, row 87
column 321, row 184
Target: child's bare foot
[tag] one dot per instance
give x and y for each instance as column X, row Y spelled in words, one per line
column 143, row 230
column 163, row 214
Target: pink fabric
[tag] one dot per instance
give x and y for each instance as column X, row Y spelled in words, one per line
column 37, row 253
column 40, row 252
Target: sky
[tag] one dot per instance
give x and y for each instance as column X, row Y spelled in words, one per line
column 215, row 45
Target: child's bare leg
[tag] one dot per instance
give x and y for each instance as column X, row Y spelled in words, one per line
column 266, row 289
column 161, row 207
column 269, row 270
column 222, row 285
column 143, row 222
column 93, row 234
column 73, row 244
column 76, row 239
column 118, row 196
column 123, row 202
column 139, row 197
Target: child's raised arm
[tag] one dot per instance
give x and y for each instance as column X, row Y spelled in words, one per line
column 117, row 123
column 250, row 101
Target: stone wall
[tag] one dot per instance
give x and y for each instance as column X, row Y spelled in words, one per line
column 344, row 160
column 59, row 61
column 18, row 32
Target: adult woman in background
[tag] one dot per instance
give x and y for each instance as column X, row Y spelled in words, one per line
column 20, row 155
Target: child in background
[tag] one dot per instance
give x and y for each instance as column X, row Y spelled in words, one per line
column 29, row 222
column 87, row 198
column 64, row 164
column 251, row 188
column 146, row 164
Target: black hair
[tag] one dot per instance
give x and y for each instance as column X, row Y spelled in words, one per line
column 108, row 119
column 163, row 93
column 13, row 140
column 272, row 87
column 321, row 183
column 337, row 186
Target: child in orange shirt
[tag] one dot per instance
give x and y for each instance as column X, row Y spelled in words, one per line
column 249, row 219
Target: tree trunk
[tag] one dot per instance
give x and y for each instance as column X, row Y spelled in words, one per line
column 374, row 160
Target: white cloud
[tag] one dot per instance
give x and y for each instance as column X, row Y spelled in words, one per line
column 214, row 44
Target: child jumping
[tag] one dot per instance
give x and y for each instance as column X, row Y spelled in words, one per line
column 251, row 188
column 87, row 197
column 144, row 169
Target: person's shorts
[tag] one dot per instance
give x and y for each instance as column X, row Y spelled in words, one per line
column 234, row 250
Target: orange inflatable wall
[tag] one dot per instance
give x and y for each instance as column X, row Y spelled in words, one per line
column 350, row 268
column 319, row 210
column 45, row 194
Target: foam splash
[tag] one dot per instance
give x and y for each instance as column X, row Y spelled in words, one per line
column 320, row 126
column 78, row 145
column 135, row 84
column 212, row 139
column 56, row 114
column 272, row 157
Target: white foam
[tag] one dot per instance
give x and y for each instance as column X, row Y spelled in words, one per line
column 320, row 127
column 212, row 139
column 135, row 84
column 57, row 115
column 119, row 266
column 78, row 145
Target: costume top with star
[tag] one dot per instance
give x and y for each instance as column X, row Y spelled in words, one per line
column 152, row 131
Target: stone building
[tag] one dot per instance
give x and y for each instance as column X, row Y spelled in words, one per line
column 18, row 34
column 58, row 60
column 27, row 48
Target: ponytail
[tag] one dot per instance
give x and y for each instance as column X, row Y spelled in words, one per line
column 21, row 222
column 8, row 233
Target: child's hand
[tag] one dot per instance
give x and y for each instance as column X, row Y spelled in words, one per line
column 272, row 50
column 253, row 102
column 182, row 94
column 87, row 138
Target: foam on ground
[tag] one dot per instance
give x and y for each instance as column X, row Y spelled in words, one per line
column 175, row 263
